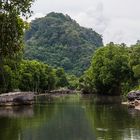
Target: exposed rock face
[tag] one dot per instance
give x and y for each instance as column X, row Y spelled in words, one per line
column 17, row 98
column 133, row 95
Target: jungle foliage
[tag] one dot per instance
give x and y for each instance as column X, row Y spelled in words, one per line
column 115, row 70
column 15, row 73
column 60, row 41
column 12, row 28
column 32, row 76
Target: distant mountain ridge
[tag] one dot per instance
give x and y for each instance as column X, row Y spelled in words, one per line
column 60, row 41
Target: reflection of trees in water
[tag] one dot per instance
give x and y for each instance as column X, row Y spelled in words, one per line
column 16, row 120
column 16, row 111
column 8, row 131
column 101, row 99
column 68, row 123
column 113, row 121
column 70, row 118
column 10, row 121
column 107, row 120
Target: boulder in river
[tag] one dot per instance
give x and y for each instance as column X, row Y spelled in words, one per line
column 16, row 98
column 133, row 95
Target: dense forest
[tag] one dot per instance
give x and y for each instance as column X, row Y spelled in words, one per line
column 58, row 52
column 114, row 70
column 15, row 72
column 58, row 81
column 31, row 76
column 59, row 41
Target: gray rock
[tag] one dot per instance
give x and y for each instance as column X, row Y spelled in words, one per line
column 133, row 95
column 16, row 98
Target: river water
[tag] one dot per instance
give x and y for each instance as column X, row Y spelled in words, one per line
column 72, row 117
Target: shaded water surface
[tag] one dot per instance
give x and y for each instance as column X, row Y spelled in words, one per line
column 72, row 117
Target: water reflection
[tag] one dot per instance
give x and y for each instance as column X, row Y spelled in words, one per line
column 16, row 112
column 69, row 122
column 102, row 100
column 113, row 121
column 70, row 118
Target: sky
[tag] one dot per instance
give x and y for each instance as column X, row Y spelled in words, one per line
column 116, row 20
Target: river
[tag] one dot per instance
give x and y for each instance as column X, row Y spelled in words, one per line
column 70, row 117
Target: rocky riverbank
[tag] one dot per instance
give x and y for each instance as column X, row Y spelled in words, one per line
column 134, row 99
column 59, row 92
column 16, row 98
column 27, row 98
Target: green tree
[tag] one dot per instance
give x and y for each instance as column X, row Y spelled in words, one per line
column 12, row 28
column 109, row 69
column 12, row 25
column 73, row 81
column 38, row 77
column 59, row 41
column 61, row 78
column 134, row 62
column 29, row 75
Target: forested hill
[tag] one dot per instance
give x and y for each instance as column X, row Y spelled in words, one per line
column 60, row 41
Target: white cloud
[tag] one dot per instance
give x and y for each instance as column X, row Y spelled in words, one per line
column 116, row 20
column 122, row 30
column 94, row 18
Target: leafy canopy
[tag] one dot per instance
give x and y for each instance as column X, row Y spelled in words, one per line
column 58, row 40
column 11, row 24
column 109, row 69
